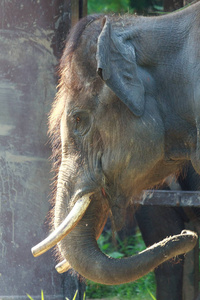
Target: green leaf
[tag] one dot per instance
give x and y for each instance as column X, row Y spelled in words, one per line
column 116, row 254
column 105, row 247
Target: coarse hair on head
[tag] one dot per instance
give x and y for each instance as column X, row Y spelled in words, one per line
column 59, row 103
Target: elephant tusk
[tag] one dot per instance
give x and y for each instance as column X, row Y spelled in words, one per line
column 65, row 227
column 63, row 266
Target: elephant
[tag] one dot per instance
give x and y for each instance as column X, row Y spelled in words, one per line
column 125, row 117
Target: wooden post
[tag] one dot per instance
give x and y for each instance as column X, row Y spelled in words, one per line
column 78, row 10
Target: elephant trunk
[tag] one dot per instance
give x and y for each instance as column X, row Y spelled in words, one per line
column 98, row 267
column 80, row 250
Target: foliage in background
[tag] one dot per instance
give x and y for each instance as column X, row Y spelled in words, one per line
column 143, row 288
column 121, row 6
column 105, row 6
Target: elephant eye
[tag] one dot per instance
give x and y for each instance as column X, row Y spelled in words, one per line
column 81, row 122
column 78, row 119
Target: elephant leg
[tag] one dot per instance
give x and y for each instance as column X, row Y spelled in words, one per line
column 169, row 280
column 156, row 223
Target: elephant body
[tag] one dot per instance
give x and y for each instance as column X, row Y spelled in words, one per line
column 125, row 117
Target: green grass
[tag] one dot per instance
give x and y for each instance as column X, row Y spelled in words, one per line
column 42, row 296
column 143, row 288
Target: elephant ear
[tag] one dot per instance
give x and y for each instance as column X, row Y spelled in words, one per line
column 116, row 64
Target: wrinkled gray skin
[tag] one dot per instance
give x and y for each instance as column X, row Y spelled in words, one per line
column 129, row 105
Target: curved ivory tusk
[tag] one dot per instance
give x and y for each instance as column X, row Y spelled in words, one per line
column 63, row 266
column 65, row 227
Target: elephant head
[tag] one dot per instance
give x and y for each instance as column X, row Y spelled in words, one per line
column 109, row 141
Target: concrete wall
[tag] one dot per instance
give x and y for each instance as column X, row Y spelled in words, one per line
column 31, row 40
